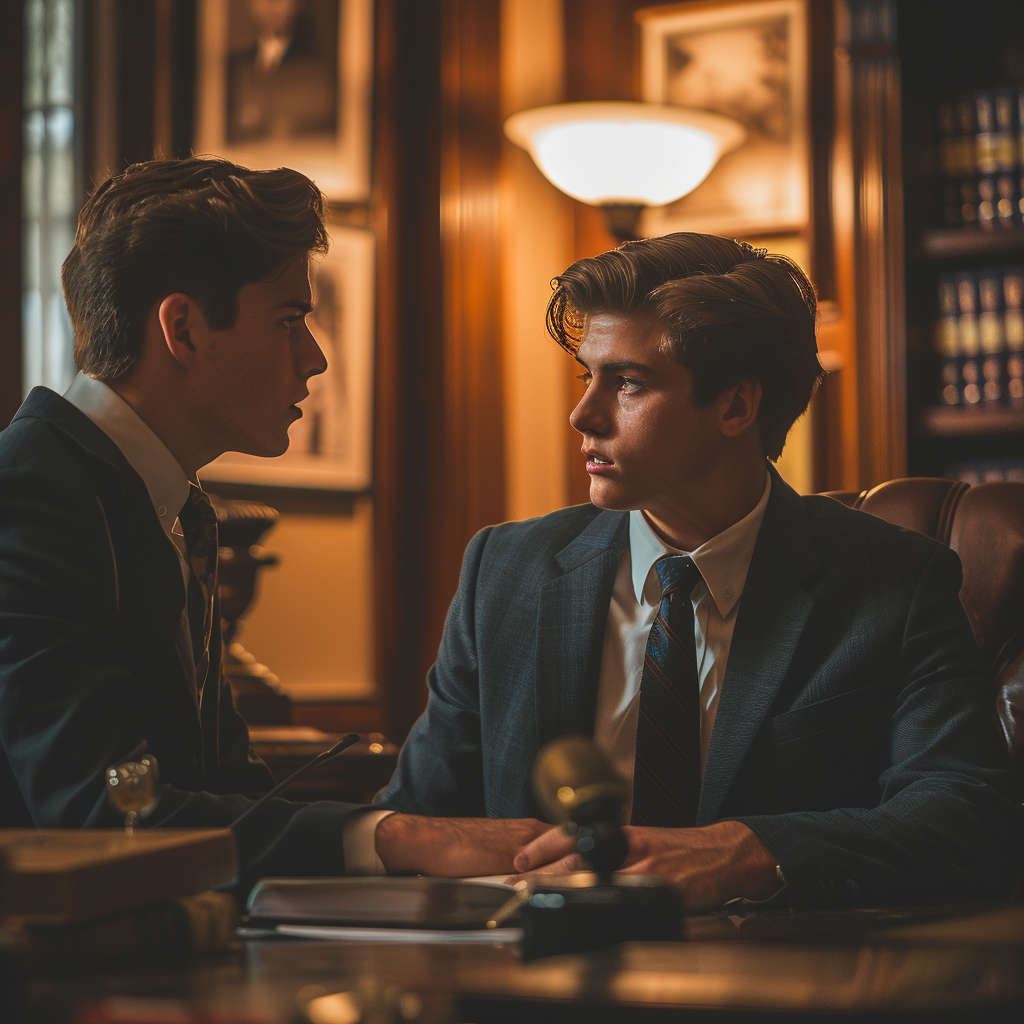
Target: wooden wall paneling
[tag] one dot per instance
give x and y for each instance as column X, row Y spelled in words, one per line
column 834, row 409
column 120, row 83
column 876, row 159
column 174, row 77
column 136, row 80
column 409, row 428
column 470, row 168
column 601, row 45
column 439, row 457
column 11, row 36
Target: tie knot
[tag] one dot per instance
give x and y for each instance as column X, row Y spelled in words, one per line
column 676, row 573
column 198, row 520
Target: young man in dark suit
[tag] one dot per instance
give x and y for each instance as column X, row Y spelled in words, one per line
column 188, row 289
column 792, row 687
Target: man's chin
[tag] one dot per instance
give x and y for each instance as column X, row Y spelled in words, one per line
column 610, row 498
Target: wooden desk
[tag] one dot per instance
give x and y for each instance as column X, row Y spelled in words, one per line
column 964, row 968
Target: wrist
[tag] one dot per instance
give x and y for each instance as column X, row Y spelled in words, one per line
column 393, row 840
column 757, row 870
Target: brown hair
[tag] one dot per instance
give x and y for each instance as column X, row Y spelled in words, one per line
column 730, row 313
column 200, row 226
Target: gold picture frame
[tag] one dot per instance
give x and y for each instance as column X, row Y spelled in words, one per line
column 331, row 445
column 746, row 59
column 288, row 92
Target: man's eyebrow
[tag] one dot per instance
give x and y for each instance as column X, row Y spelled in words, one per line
column 301, row 304
column 623, row 366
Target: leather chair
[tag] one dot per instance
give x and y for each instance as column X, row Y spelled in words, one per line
column 984, row 525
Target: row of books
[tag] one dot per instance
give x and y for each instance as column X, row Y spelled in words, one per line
column 979, row 336
column 989, row 471
column 981, row 154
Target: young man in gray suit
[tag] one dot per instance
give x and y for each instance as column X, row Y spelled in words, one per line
column 792, row 687
column 188, row 289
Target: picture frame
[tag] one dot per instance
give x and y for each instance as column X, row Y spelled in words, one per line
column 746, row 59
column 331, row 446
column 288, row 92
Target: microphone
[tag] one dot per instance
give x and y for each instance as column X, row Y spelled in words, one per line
column 577, row 787
column 343, row 744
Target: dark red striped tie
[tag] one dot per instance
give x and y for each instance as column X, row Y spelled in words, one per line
column 666, row 780
column 198, row 522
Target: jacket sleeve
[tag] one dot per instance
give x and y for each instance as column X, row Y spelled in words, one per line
column 949, row 825
column 71, row 703
column 440, row 768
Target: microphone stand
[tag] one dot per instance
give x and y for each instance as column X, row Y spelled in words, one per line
column 343, row 744
column 576, row 785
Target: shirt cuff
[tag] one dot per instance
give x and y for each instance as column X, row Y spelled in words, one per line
column 357, row 842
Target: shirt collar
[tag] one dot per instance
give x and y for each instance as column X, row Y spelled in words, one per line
column 723, row 560
column 146, row 453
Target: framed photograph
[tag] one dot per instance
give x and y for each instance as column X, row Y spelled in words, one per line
column 288, row 82
column 748, row 61
column 332, row 445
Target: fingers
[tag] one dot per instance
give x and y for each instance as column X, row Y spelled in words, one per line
column 546, row 849
column 565, row 866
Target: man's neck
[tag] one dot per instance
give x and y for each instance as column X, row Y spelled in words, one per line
column 169, row 424
column 709, row 510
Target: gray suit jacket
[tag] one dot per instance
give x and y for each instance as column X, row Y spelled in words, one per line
column 855, row 732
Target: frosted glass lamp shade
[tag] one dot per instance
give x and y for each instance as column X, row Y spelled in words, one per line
column 624, row 153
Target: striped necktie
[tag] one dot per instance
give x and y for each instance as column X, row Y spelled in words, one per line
column 198, row 522
column 666, row 779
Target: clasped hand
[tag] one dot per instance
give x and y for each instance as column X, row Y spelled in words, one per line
column 709, row 866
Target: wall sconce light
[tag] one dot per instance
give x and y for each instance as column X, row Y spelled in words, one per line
column 624, row 156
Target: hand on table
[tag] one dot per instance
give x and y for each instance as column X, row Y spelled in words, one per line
column 452, row 847
column 709, row 866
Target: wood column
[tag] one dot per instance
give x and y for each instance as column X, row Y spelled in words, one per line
column 439, row 459
column 867, row 51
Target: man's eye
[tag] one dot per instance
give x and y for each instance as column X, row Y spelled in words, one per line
column 629, row 386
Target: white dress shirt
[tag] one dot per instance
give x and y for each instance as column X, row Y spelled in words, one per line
column 723, row 562
column 160, row 471
column 168, row 487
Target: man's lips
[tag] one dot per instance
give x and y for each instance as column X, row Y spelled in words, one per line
column 596, row 462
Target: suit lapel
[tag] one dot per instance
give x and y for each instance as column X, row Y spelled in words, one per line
column 571, row 617
column 770, row 620
column 141, row 546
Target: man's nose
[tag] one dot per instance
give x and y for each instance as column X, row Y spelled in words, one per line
column 588, row 416
column 311, row 356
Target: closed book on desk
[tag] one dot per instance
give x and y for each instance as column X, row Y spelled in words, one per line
column 67, row 875
column 376, row 902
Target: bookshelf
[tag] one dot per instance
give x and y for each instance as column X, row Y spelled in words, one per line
column 962, row 112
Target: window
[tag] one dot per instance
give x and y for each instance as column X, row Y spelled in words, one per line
column 51, row 184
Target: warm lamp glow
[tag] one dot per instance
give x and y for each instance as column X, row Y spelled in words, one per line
column 624, row 153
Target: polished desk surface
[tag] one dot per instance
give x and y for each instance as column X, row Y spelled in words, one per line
column 965, row 965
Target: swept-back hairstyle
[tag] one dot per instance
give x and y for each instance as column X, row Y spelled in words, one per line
column 730, row 313
column 200, row 226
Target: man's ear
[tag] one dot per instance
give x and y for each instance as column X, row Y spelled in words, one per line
column 740, row 405
column 180, row 320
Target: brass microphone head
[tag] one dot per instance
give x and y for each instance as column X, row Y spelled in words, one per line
column 574, row 781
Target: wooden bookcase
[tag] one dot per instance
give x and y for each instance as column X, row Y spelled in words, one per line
column 945, row 50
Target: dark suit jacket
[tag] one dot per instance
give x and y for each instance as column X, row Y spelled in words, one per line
column 855, row 732
column 91, row 596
